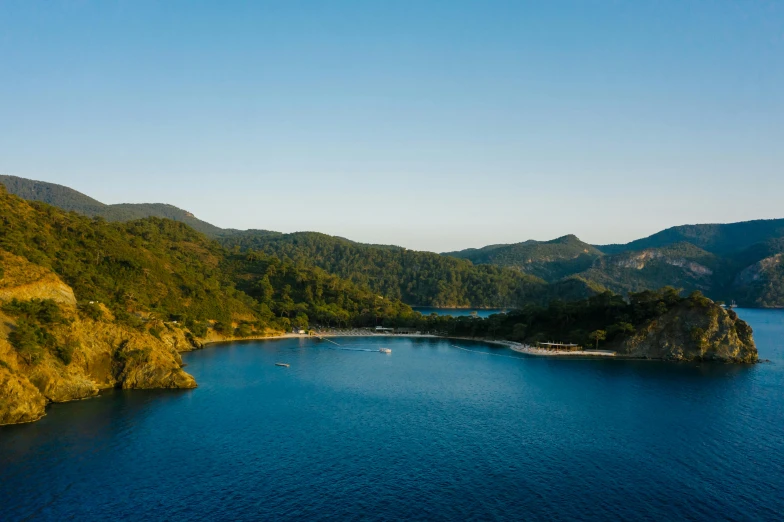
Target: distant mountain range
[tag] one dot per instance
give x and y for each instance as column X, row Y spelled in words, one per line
column 738, row 261
column 550, row 260
column 87, row 304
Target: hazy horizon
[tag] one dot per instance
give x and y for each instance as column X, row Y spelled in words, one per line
column 434, row 126
column 422, row 249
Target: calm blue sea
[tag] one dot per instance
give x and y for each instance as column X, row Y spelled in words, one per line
column 457, row 312
column 428, row 432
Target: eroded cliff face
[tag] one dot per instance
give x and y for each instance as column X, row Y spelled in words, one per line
column 102, row 353
column 761, row 284
column 694, row 332
column 20, row 401
column 24, row 281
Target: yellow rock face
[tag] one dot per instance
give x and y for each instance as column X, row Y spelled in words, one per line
column 105, row 354
column 24, row 281
column 694, row 333
column 20, row 401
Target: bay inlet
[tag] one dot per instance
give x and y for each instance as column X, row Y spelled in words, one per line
column 427, row 431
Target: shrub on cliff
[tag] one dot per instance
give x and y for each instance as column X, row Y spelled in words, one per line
column 42, row 311
column 25, row 340
column 92, row 311
column 197, row 328
column 65, row 351
column 31, row 337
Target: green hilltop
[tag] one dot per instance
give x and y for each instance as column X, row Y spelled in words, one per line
column 737, row 261
column 720, row 239
column 88, row 304
column 418, row 278
column 163, row 267
column 69, row 199
column 548, row 260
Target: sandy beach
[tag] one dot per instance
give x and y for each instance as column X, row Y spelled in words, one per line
column 361, row 332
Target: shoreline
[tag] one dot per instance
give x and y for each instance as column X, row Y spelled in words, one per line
column 516, row 347
column 461, row 307
column 512, row 345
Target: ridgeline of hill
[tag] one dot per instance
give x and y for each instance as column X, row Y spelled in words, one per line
column 719, row 239
column 738, row 261
column 163, row 267
column 69, row 199
column 549, row 260
column 87, row 304
column 418, row 278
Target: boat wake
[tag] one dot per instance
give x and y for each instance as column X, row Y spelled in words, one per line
column 347, row 348
column 485, row 353
column 352, row 349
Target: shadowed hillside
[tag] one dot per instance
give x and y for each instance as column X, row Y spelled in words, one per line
column 738, row 261
column 715, row 238
column 549, row 260
column 418, row 278
column 682, row 265
column 163, row 267
column 70, row 199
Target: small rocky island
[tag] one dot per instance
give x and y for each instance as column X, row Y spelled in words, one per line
column 702, row 331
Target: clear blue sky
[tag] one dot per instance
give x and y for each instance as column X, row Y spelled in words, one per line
column 433, row 125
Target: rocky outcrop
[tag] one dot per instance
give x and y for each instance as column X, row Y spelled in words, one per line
column 23, row 280
column 178, row 339
column 101, row 353
column 20, row 401
column 759, row 270
column 694, row 332
column 640, row 260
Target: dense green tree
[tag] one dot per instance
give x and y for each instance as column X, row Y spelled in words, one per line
column 25, row 338
column 597, row 335
column 417, row 278
column 602, row 317
column 156, row 269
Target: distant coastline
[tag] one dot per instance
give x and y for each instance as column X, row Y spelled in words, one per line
column 512, row 345
column 517, row 347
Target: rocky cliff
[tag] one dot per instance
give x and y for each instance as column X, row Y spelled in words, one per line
column 78, row 355
column 694, row 331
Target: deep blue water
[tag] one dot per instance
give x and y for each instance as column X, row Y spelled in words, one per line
column 456, row 312
column 426, row 432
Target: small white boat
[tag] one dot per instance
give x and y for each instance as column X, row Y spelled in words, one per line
column 385, row 350
column 282, row 364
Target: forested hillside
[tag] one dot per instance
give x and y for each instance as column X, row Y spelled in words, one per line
column 549, row 260
column 418, row 278
column 720, row 239
column 150, row 265
column 70, row 199
column 165, row 268
column 659, row 324
column 87, row 304
column 682, row 265
column 759, row 274
column 738, row 261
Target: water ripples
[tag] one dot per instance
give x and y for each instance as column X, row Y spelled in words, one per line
column 426, row 432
